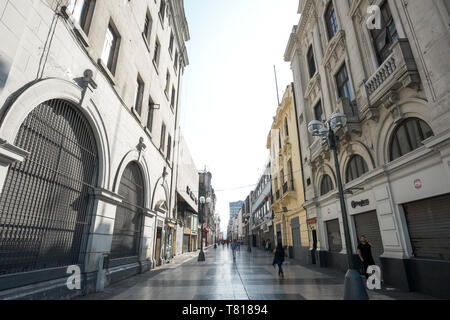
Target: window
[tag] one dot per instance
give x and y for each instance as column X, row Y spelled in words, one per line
column 169, row 147
column 148, row 27
column 82, row 11
column 172, row 99
column 151, row 111
column 175, row 61
column 111, row 48
column 356, row 168
column 156, row 53
column 162, row 10
column 330, row 21
column 172, row 38
column 286, row 127
column 291, row 175
column 166, row 90
column 326, row 185
column 139, row 95
column 311, row 62
column 343, row 84
column 408, row 137
column 163, row 137
column 386, row 36
column 318, row 112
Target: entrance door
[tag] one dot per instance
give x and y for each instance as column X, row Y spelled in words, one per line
column 367, row 224
column 296, row 242
column 314, row 248
column 45, row 205
column 158, row 246
column 334, row 236
column 429, row 227
column 128, row 221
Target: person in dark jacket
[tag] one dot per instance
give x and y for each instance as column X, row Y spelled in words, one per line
column 365, row 254
column 279, row 259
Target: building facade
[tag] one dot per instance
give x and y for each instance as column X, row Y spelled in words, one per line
column 88, row 109
column 261, row 227
column 394, row 153
column 207, row 215
column 186, row 236
column 234, row 211
column 290, row 221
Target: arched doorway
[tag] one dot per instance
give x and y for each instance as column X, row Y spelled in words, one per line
column 45, row 204
column 128, row 221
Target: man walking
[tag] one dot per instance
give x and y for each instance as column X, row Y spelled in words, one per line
column 365, row 254
column 234, row 246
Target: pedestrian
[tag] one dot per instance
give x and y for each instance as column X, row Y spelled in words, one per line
column 234, row 246
column 267, row 245
column 278, row 259
column 228, row 243
column 365, row 254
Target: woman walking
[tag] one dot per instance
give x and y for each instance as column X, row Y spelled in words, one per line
column 279, row 258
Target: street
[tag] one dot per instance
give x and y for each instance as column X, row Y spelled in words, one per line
column 251, row 278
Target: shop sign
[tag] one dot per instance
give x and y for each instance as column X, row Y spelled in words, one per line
column 362, row 203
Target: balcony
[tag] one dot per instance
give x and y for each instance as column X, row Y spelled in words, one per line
column 398, row 71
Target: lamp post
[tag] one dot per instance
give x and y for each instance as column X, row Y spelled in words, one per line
column 203, row 201
column 354, row 288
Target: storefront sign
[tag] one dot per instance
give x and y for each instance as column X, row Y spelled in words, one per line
column 362, row 203
column 311, row 221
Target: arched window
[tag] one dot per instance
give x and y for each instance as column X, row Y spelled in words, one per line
column 326, row 185
column 331, row 21
column 46, row 203
column 408, row 137
column 128, row 221
column 356, row 168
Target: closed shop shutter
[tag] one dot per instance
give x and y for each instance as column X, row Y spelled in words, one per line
column 367, row 225
column 429, row 227
column 186, row 243
column 334, row 236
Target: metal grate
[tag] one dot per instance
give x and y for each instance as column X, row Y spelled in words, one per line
column 45, row 203
column 128, row 221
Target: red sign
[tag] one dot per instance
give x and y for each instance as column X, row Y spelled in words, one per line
column 329, row 211
column 311, row 221
column 418, row 184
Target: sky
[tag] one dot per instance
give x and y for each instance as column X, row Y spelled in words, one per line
column 229, row 95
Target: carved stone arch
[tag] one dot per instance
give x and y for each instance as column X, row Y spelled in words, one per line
column 409, row 108
column 141, row 160
column 13, row 115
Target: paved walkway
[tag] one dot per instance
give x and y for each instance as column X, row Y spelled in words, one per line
column 252, row 277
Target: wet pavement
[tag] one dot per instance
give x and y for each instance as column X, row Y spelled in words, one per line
column 252, row 277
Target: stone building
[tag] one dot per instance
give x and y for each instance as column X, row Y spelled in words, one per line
column 261, row 227
column 287, row 183
column 88, row 110
column 187, row 201
column 206, row 216
column 392, row 83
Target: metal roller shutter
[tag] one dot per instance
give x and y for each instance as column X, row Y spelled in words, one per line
column 334, row 236
column 429, row 227
column 367, row 224
column 295, row 228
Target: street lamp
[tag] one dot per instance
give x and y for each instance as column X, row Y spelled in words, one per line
column 353, row 286
column 203, row 201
